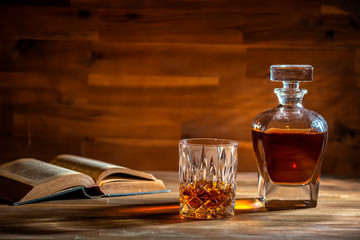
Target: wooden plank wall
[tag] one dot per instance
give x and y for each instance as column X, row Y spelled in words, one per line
column 123, row 81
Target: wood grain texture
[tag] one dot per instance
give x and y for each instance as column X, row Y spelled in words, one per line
column 156, row 216
column 150, row 81
column 199, row 25
column 47, row 23
column 123, row 81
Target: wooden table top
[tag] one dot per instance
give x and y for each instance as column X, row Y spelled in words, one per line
column 155, row 216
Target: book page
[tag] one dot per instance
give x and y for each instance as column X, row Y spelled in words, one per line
column 28, row 179
column 91, row 167
column 98, row 170
column 33, row 172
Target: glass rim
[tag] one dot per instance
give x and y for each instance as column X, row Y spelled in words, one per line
column 209, row 142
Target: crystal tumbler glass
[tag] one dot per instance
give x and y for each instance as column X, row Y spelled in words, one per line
column 207, row 171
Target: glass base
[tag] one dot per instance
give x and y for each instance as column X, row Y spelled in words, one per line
column 205, row 215
column 288, row 196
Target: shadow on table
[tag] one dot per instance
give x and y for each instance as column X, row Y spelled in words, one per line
column 63, row 219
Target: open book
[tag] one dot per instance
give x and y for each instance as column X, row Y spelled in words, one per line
column 28, row 180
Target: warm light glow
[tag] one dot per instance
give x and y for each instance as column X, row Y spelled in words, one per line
column 149, row 210
column 155, row 208
column 245, row 204
column 294, row 165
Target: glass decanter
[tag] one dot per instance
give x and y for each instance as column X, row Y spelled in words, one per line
column 289, row 142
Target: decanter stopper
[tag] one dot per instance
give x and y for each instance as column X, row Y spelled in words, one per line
column 291, row 76
column 291, row 73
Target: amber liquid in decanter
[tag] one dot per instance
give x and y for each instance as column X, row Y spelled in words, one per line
column 291, row 156
column 289, row 142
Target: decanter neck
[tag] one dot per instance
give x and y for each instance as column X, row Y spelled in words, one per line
column 290, row 95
